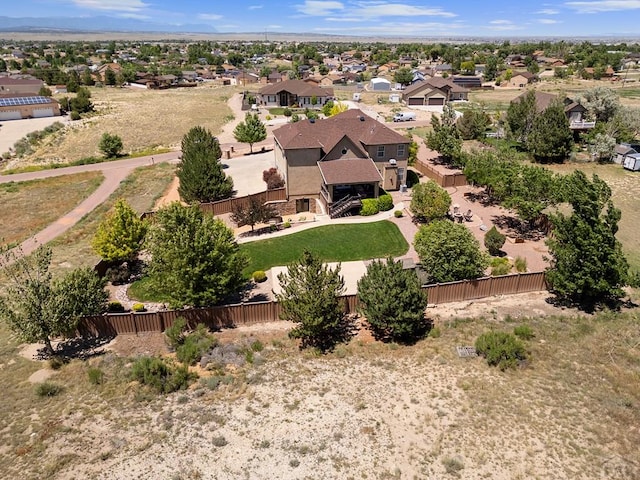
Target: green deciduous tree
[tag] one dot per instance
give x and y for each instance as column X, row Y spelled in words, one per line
column 521, row 115
column 449, row 252
column 445, row 137
column 119, row 237
column 109, row 77
column 403, row 76
column 195, row 259
column 429, row 201
column 254, row 211
column 251, row 131
column 602, row 103
column 310, row 298
column 588, row 267
column 200, row 172
column 110, row 145
column 494, row 240
column 38, row 307
column 393, row 302
column 550, row 139
column 473, row 123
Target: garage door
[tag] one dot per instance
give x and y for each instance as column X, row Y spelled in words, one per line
column 416, row 101
column 436, row 101
column 10, row 115
column 42, row 112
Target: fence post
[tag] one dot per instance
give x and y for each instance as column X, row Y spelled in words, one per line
column 135, row 323
column 518, row 283
column 161, row 321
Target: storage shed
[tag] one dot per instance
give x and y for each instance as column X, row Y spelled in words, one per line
column 379, row 85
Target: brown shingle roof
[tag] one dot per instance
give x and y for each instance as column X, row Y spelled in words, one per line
column 5, row 81
column 349, row 170
column 326, row 133
column 297, row 87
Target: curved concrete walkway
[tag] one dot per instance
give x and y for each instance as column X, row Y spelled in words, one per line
column 114, row 173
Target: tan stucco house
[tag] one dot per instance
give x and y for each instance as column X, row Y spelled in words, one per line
column 349, row 155
column 294, row 92
column 434, row 92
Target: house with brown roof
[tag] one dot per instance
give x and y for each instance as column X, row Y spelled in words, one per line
column 522, row 79
column 294, row 92
column 435, row 91
column 575, row 112
column 20, row 85
column 338, row 161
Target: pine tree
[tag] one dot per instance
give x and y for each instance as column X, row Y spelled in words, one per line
column 200, row 172
column 445, row 137
column 251, row 131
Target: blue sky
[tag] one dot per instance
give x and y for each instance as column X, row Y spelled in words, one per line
column 466, row 18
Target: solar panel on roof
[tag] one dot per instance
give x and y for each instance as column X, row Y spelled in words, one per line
column 14, row 101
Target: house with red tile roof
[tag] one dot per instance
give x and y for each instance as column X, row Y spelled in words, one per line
column 347, row 156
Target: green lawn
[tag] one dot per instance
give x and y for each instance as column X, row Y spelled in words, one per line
column 333, row 243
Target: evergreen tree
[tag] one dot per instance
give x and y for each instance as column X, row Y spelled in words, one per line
column 445, row 137
column 550, row 138
column 310, row 298
column 110, row 77
column 251, row 131
column 393, row 302
column 200, row 172
column 521, row 115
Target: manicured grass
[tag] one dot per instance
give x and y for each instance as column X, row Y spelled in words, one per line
column 28, row 207
column 333, row 243
column 276, row 111
column 141, row 189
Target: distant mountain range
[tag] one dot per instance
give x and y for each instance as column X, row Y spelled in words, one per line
column 100, row 23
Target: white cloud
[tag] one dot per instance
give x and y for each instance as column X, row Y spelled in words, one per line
column 503, row 25
column 255, row 7
column 319, row 8
column 209, row 16
column 274, row 27
column 604, row 6
column 398, row 28
column 114, row 5
column 500, row 22
column 548, row 11
column 377, row 9
column 548, row 21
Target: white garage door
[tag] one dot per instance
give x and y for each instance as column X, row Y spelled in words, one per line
column 42, row 112
column 10, row 115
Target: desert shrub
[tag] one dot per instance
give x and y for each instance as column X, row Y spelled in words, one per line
column 115, row 307
column 257, row 346
column 385, row 203
column 138, row 307
column 96, row 375
column 259, row 276
column 452, row 465
column 369, row 207
column 521, row 264
column 196, row 344
column 219, row 441
column 494, row 240
column 118, row 275
column 501, row 349
column 397, row 213
column 523, row 332
column 287, row 112
column 174, row 335
column 500, row 266
column 268, row 117
column 56, row 362
column 75, row 115
column 286, row 224
column 157, row 374
column 48, row 389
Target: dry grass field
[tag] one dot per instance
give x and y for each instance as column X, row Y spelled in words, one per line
column 28, row 207
column 366, row 411
column 141, row 189
column 144, row 119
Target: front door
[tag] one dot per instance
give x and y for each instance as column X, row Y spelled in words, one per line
column 284, row 99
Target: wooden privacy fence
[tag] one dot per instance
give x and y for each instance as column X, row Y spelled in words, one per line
column 260, row 312
column 452, row 179
column 226, row 206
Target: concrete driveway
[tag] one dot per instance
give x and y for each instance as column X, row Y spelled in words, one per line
column 246, row 171
column 13, row 130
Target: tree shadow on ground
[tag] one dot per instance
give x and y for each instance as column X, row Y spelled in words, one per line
column 482, row 197
column 343, row 333
column 420, row 332
column 514, row 227
column 591, row 306
column 79, row 347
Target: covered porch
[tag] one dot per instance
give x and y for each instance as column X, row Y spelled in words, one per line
column 346, row 182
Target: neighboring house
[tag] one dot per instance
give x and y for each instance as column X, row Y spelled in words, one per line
column 350, row 154
column 522, row 79
column 434, row 92
column 378, row 84
column 102, row 70
column 294, row 92
column 332, row 79
column 18, row 106
column 20, row 85
column 622, row 150
column 468, row 82
column 573, row 110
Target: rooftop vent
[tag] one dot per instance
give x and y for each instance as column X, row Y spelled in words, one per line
column 362, row 118
column 392, row 161
column 312, row 120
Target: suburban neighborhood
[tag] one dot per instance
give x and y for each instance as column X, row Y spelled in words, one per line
column 291, row 258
